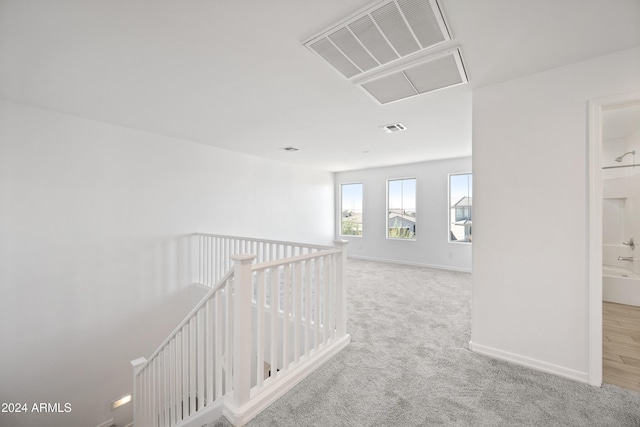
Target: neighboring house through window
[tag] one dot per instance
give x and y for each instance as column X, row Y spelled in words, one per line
column 401, row 208
column 461, row 207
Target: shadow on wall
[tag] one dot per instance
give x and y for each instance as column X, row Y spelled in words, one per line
column 87, row 364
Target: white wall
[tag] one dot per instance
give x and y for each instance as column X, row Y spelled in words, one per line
column 432, row 247
column 530, row 149
column 93, row 220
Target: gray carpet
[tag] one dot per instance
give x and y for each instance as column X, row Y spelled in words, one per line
column 409, row 365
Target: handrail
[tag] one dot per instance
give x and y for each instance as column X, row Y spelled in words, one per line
column 213, row 253
column 188, row 317
column 278, row 242
column 290, row 260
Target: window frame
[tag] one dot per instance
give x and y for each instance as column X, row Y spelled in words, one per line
column 449, row 208
column 341, row 210
column 415, row 233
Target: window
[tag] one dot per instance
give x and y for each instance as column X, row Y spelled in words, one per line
column 401, row 203
column 351, row 207
column 461, row 207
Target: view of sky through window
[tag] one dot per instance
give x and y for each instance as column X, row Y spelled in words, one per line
column 351, row 205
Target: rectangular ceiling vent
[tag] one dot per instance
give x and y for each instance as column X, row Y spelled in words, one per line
column 396, row 127
column 417, row 77
column 380, row 34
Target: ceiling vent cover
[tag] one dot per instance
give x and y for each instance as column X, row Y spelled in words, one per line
column 396, row 127
column 385, row 32
column 415, row 78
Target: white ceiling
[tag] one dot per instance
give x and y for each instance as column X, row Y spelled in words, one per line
column 233, row 73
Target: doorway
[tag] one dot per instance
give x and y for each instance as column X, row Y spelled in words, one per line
column 600, row 113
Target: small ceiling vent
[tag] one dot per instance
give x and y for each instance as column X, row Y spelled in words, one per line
column 381, row 34
column 415, row 78
column 396, row 127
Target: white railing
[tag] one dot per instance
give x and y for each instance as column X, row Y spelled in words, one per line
column 213, row 253
column 264, row 325
column 191, row 368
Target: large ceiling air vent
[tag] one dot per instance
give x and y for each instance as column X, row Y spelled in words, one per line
column 381, row 34
column 388, row 50
column 415, row 78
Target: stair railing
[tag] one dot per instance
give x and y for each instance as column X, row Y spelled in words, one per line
column 192, row 368
column 213, row 253
column 277, row 313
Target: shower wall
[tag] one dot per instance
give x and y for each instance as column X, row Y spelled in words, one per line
column 621, row 191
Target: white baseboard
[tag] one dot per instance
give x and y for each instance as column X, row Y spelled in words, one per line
column 241, row 416
column 529, row 362
column 414, row 264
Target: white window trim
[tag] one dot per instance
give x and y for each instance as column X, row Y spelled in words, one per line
column 340, row 211
column 415, row 238
column 455, row 242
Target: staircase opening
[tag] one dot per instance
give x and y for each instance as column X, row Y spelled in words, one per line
column 279, row 306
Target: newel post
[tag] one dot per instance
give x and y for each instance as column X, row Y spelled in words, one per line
column 137, row 363
column 242, row 334
column 341, row 288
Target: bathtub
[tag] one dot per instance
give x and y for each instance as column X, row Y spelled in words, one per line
column 620, row 285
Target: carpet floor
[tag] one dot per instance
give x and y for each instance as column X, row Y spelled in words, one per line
column 408, row 364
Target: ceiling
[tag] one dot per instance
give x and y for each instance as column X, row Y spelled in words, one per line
column 234, row 74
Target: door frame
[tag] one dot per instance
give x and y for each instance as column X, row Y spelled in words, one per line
column 596, row 108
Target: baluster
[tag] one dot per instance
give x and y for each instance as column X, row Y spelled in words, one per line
column 307, row 306
column 228, row 303
column 192, row 365
column 154, row 391
column 200, row 343
column 216, row 258
column 224, row 254
column 146, row 417
column 210, row 397
column 200, row 259
column 210, row 271
column 209, row 266
column 316, row 315
column 185, row 371
column 205, row 258
column 179, row 376
column 297, row 293
column 333, row 314
column 165, row 381
column 260, row 303
column 160, row 370
column 273, row 303
column 326, row 309
column 172, row 381
column 259, row 254
column 217, row 298
column 285, row 316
